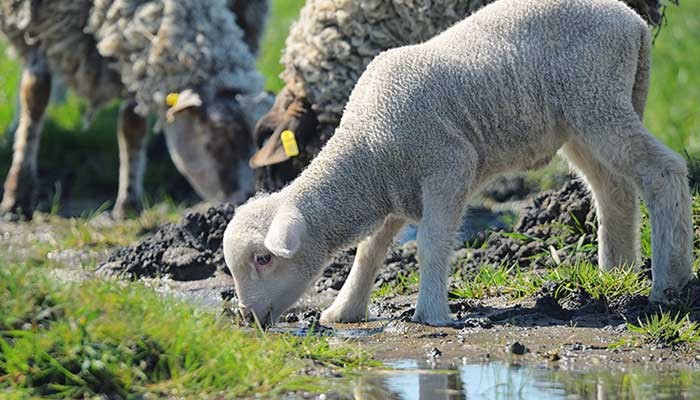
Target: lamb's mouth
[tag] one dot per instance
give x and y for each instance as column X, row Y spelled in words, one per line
column 266, row 321
column 250, row 317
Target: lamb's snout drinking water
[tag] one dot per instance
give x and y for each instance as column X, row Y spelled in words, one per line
column 429, row 124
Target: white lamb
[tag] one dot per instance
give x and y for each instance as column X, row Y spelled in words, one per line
column 429, row 124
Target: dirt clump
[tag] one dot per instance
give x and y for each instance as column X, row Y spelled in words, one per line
column 559, row 227
column 188, row 250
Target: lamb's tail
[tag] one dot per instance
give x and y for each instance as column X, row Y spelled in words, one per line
column 640, row 90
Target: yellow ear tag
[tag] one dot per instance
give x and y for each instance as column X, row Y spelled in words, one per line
column 289, row 142
column 171, row 99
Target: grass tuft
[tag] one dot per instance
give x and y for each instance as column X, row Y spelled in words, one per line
column 493, row 281
column 405, row 283
column 664, row 329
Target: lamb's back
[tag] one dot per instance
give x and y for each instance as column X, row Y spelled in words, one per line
column 516, row 66
column 494, row 90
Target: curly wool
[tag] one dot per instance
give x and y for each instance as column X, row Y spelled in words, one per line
column 145, row 49
column 56, row 29
column 331, row 44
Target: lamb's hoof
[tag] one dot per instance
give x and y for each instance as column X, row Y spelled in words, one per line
column 666, row 297
column 126, row 209
column 346, row 316
column 434, row 319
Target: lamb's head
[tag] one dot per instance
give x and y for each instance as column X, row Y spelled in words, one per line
column 209, row 140
column 275, row 167
column 271, row 256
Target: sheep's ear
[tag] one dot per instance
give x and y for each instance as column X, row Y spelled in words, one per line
column 181, row 101
column 286, row 232
column 271, row 153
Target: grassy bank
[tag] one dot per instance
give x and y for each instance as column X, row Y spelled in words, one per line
column 63, row 339
column 64, row 333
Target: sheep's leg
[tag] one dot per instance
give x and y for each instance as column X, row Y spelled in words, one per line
column 660, row 175
column 131, row 136
column 617, row 206
column 442, row 211
column 353, row 298
column 20, row 185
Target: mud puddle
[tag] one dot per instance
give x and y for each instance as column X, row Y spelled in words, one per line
column 412, row 379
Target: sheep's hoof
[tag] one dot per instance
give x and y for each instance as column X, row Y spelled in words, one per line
column 337, row 315
column 126, row 209
column 12, row 210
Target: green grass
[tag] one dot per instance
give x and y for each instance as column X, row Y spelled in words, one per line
column 83, row 339
column 405, row 283
column 284, row 12
column 493, row 281
column 9, row 80
column 663, row 329
column 91, row 233
column 672, row 112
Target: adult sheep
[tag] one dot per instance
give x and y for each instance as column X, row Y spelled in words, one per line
column 327, row 50
column 141, row 51
column 427, row 125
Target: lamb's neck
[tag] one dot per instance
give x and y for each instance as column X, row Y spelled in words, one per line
column 341, row 199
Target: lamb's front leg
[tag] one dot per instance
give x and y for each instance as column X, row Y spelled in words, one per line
column 131, row 135
column 353, row 298
column 20, row 185
column 441, row 215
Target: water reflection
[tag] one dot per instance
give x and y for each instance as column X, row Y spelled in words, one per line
column 408, row 380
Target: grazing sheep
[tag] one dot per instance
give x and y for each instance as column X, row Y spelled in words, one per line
column 141, row 51
column 427, row 125
column 327, row 50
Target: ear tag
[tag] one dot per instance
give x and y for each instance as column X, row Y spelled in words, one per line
column 289, row 142
column 171, row 99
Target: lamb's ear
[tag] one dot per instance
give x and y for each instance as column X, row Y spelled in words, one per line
column 286, row 232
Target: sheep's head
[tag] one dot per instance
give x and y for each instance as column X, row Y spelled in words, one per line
column 209, row 139
column 274, row 166
column 270, row 254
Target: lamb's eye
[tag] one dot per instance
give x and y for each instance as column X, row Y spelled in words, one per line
column 262, row 259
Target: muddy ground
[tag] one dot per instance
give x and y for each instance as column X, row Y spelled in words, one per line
column 573, row 331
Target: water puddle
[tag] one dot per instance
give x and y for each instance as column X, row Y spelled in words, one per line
column 413, row 380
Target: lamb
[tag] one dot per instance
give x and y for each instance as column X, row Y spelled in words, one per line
column 140, row 51
column 327, row 50
column 427, row 125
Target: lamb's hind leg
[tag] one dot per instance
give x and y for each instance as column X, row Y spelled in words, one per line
column 20, row 185
column 353, row 298
column 617, row 206
column 131, row 136
column 660, row 175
